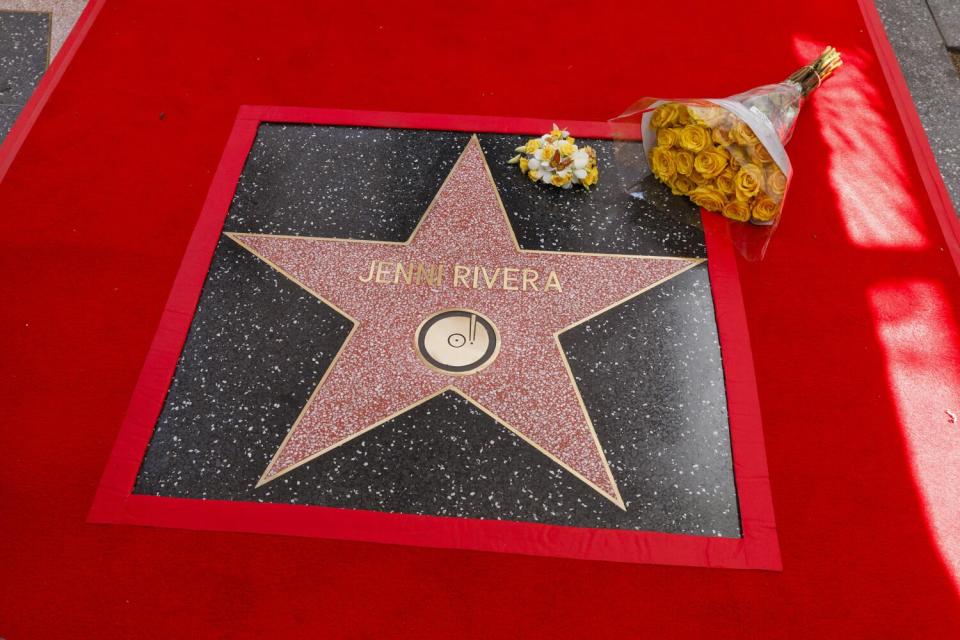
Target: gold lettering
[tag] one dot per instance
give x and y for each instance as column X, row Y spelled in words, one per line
column 552, row 282
column 383, row 269
column 369, row 277
column 460, row 273
column 510, row 279
column 420, row 273
column 402, row 272
column 490, row 281
column 431, row 276
column 530, row 277
column 466, row 276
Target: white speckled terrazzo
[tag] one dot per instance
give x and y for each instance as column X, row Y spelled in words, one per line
column 648, row 370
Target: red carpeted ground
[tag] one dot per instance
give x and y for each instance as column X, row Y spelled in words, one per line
column 853, row 317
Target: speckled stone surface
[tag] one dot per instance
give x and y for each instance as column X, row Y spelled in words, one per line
column 8, row 114
column 946, row 13
column 932, row 79
column 24, row 42
column 649, row 370
column 65, row 14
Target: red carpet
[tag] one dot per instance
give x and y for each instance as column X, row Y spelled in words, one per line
column 853, row 319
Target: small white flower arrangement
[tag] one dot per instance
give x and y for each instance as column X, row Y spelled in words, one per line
column 554, row 158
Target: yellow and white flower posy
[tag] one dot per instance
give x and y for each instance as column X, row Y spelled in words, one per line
column 554, row 158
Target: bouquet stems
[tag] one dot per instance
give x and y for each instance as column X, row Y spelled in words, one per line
column 811, row 76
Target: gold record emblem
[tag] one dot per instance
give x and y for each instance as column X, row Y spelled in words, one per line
column 457, row 341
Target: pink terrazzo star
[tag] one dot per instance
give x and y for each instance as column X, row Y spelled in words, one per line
column 379, row 372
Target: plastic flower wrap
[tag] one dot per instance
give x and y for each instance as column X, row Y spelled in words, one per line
column 554, row 158
column 725, row 155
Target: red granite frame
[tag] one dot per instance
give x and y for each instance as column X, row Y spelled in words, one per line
column 116, row 503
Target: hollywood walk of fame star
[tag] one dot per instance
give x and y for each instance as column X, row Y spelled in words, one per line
column 457, row 307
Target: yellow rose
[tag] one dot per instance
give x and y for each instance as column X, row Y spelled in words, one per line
column 776, row 183
column 682, row 185
column 744, row 134
column 683, row 115
column 708, row 198
column 748, row 182
column 759, row 154
column 708, row 116
column 764, row 209
column 532, row 145
column 547, row 154
column 665, row 115
column 694, row 138
column 739, row 157
column 709, row 163
column 684, row 162
column 667, row 138
column 663, row 164
column 736, row 210
column 567, row 148
column 524, row 163
column 533, row 175
column 559, row 180
column 725, row 182
column 722, row 135
column 699, row 179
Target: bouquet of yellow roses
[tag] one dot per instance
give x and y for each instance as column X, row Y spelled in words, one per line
column 725, row 155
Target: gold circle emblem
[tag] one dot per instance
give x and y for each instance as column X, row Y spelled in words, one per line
column 457, row 341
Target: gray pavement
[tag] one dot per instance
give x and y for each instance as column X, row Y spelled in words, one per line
column 921, row 32
column 946, row 13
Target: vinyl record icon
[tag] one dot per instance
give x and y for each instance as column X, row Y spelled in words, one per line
column 457, row 341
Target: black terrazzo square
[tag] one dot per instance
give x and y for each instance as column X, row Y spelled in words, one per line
column 649, row 370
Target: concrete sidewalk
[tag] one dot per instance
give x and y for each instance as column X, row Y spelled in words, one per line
column 925, row 35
